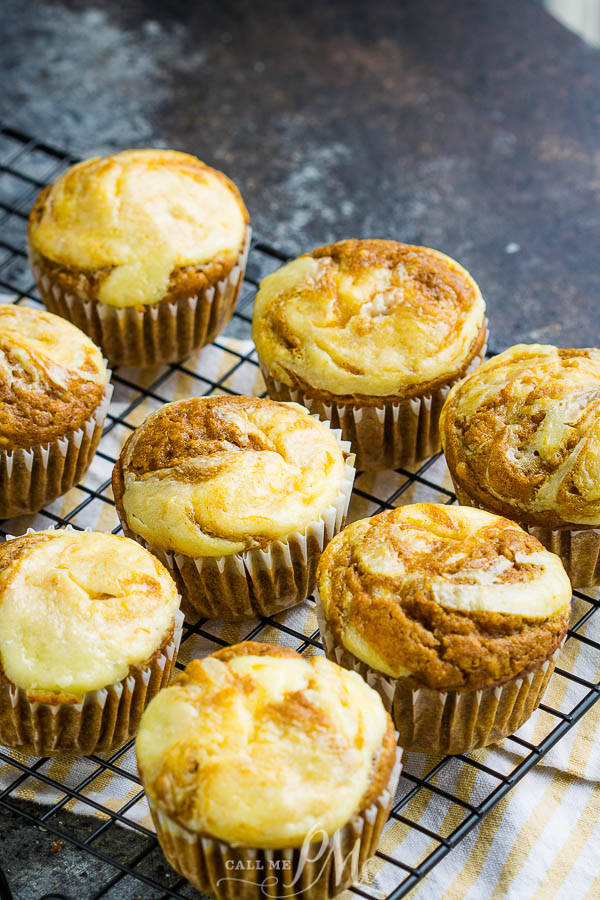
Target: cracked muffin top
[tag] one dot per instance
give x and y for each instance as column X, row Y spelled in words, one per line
column 212, row 476
column 132, row 224
column 448, row 596
column 52, row 377
column 522, row 435
column 368, row 318
column 78, row 609
column 259, row 746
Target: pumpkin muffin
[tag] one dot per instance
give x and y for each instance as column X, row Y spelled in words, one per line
column 262, row 767
column 144, row 250
column 370, row 334
column 522, row 439
column 238, row 496
column 89, row 631
column 54, row 394
column 455, row 615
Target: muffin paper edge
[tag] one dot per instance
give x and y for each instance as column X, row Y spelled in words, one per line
column 31, row 478
column 102, row 721
column 258, row 582
column 160, row 332
column 397, row 433
column 448, row 721
column 578, row 548
column 312, row 872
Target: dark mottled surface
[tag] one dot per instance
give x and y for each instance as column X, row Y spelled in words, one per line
column 37, row 863
column 470, row 126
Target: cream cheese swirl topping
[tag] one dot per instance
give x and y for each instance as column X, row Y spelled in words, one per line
column 216, row 476
column 259, row 751
column 523, row 431
column 77, row 609
column 368, row 317
column 52, row 377
column 441, row 592
column 142, row 214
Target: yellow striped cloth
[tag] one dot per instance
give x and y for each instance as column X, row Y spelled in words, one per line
column 539, row 842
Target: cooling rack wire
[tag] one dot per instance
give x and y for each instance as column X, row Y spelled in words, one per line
column 96, row 805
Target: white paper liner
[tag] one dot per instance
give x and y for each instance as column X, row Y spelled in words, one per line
column 257, row 582
column 578, row 548
column 100, row 722
column 146, row 335
column 32, row 478
column 431, row 721
column 397, row 433
column 318, row 871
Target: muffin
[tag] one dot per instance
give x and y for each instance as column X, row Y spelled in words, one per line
column 267, row 773
column 522, row 439
column 370, row 334
column 238, row 496
column 89, row 631
column 456, row 616
column 144, row 250
column 54, row 394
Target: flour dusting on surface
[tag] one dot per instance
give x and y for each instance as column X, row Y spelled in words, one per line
column 89, row 116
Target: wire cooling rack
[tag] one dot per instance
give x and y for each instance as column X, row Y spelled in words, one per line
column 96, row 804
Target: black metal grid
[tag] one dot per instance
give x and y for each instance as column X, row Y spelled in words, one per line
column 26, row 164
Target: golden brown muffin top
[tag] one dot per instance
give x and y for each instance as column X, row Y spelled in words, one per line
column 368, row 317
column 451, row 597
column 211, row 476
column 52, row 377
column 136, row 217
column 522, row 435
column 259, row 746
column 78, row 609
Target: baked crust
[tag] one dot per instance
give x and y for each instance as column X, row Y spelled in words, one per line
column 193, row 427
column 174, row 779
column 52, row 377
column 13, row 549
column 64, row 698
column 521, row 435
column 184, row 281
column 368, row 320
column 86, row 281
column 436, row 594
column 417, row 390
column 244, row 470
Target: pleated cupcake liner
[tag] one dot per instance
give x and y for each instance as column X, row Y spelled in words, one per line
column 578, row 548
column 100, row 722
column 316, row 871
column 161, row 332
column 32, row 478
column 393, row 434
column 257, row 582
column 443, row 722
